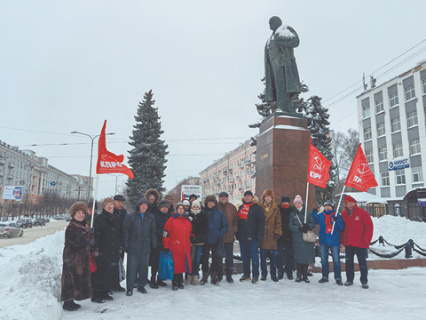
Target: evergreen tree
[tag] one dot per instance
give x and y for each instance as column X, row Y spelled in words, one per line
column 318, row 123
column 147, row 158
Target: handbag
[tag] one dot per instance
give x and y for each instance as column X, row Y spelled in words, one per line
column 166, row 267
column 93, row 266
column 221, row 249
column 309, row 236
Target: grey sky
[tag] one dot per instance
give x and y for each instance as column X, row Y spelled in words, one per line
column 69, row 65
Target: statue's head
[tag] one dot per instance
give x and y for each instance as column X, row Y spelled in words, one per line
column 274, row 23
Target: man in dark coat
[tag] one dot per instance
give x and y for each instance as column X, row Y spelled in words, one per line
column 161, row 218
column 285, row 259
column 122, row 213
column 170, row 198
column 230, row 213
column 139, row 237
column 107, row 244
column 216, row 229
column 251, row 225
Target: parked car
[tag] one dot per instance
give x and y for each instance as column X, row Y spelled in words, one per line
column 47, row 220
column 9, row 230
column 39, row 222
column 25, row 223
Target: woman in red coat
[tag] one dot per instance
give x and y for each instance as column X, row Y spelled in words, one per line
column 176, row 238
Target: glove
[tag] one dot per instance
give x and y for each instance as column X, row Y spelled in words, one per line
column 334, row 218
column 305, row 228
column 277, row 236
column 91, row 242
column 301, row 229
column 92, row 230
column 166, row 251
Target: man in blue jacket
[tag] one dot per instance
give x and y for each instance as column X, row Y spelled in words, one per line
column 251, row 225
column 329, row 240
column 216, row 229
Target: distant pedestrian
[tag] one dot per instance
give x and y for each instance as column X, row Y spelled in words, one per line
column 329, row 240
column 76, row 279
column 303, row 250
column 251, row 225
column 357, row 236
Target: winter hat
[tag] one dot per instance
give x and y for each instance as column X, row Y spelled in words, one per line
column 77, row 206
column 268, row 192
column 186, row 203
column 349, row 199
column 223, row 194
column 193, row 196
column 196, row 203
column 329, row 203
column 298, row 199
column 119, row 197
column 164, row 203
column 211, row 197
column 142, row 201
column 285, row 199
column 107, row 200
column 248, row 192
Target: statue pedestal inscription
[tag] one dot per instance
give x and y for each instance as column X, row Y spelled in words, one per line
column 282, row 158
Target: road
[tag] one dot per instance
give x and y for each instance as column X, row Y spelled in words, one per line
column 31, row 234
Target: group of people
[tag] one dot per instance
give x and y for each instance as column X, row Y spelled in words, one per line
column 192, row 232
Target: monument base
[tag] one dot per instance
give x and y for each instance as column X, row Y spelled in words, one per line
column 282, row 158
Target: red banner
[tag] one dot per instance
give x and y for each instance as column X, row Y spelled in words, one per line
column 360, row 176
column 319, row 168
column 108, row 162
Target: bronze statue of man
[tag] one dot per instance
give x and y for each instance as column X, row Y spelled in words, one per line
column 281, row 75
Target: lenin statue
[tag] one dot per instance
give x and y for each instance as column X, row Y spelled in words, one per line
column 281, row 75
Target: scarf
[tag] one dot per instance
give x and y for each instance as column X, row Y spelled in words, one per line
column 195, row 212
column 286, row 206
column 328, row 222
column 243, row 214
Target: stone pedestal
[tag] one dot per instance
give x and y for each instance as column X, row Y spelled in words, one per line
column 282, row 158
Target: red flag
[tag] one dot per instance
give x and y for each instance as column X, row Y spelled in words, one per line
column 108, row 162
column 319, row 168
column 360, row 176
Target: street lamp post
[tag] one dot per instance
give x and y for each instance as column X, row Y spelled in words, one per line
column 116, row 180
column 92, row 138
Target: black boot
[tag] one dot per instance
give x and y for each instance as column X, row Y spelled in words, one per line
column 305, row 273
column 161, row 283
column 69, row 305
column 174, row 285
column 299, row 273
column 153, row 284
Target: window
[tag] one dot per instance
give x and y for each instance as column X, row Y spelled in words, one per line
column 424, row 85
column 414, row 146
column 393, row 99
column 417, row 174
column 397, row 150
column 369, row 156
column 400, row 176
column 383, row 153
column 395, row 124
column 385, row 178
column 409, row 92
column 379, row 106
column 367, row 134
column 365, row 108
column 381, row 130
column 412, row 119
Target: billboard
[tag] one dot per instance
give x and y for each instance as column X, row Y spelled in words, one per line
column 187, row 190
column 12, row 193
column 398, row 164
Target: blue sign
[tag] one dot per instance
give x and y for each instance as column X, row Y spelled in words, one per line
column 53, row 183
column 398, row 164
column 421, row 202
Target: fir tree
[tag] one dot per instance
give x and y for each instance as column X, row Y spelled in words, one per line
column 318, row 123
column 147, row 158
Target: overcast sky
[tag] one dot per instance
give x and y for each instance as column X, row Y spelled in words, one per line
column 69, row 65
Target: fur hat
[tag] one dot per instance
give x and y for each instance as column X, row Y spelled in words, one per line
column 107, row 200
column 268, row 192
column 77, row 206
column 154, row 192
column 196, row 203
column 298, row 199
column 348, row 198
column 211, row 197
column 285, row 199
column 164, row 203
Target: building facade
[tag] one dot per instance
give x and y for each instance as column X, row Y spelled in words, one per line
column 392, row 130
column 234, row 173
column 24, row 169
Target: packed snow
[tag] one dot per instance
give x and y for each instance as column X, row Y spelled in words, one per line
column 31, row 282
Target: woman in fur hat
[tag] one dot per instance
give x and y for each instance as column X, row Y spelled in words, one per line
column 303, row 251
column 273, row 231
column 75, row 283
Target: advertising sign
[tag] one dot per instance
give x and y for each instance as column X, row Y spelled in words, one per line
column 398, row 163
column 421, row 198
column 187, row 190
column 12, row 193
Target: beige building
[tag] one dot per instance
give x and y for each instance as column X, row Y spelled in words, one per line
column 234, row 173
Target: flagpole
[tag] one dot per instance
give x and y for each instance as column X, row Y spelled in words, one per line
column 307, row 196
column 94, row 201
column 337, row 208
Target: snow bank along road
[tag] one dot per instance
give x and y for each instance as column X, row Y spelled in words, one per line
column 31, row 234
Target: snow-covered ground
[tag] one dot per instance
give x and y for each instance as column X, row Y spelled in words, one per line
column 30, row 289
